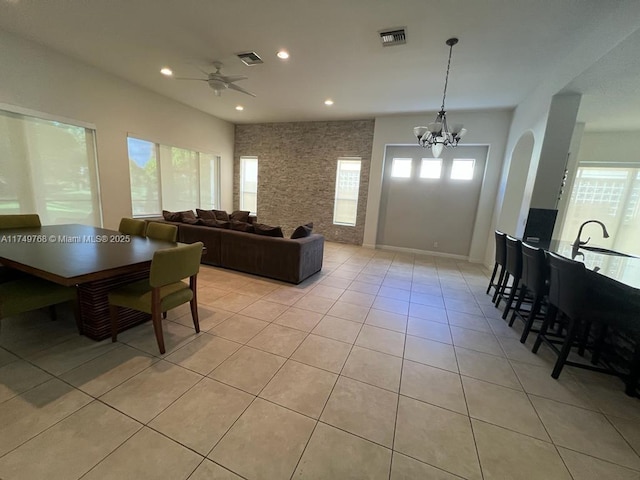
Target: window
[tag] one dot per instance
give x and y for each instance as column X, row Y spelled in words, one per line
column 431, row 168
column 612, row 195
column 249, row 184
column 345, row 207
column 170, row 178
column 462, row 169
column 48, row 167
column 401, row 168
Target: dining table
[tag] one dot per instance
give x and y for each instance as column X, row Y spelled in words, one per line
column 94, row 259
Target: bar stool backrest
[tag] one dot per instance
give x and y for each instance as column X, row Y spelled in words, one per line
column 514, row 256
column 501, row 247
column 535, row 271
column 567, row 285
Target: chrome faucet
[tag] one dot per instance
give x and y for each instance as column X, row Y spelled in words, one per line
column 579, row 242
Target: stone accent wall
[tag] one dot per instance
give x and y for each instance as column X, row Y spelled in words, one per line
column 297, row 165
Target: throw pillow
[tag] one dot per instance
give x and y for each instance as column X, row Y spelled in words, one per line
column 221, row 215
column 241, row 226
column 208, row 214
column 302, row 231
column 188, row 217
column 171, row 216
column 215, row 223
column 267, row 230
column 240, row 215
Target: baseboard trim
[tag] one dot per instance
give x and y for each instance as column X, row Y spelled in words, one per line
column 423, row 252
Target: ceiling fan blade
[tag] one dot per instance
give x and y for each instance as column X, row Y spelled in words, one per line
column 189, row 78
column 235, row 87
column 232, row 78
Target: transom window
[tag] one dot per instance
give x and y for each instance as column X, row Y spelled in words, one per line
column 462, row 169
column 401, row 168
column 431, row 168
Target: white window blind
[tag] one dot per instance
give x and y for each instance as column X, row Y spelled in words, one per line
column 48, row 167
column 249, row 184
column 345, row 207
column 170, row 178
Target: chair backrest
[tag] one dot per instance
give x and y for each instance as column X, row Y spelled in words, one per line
column 514, row 256
column 131, row 226
column 501, row 247
column 20, row 220
column 162, row 231
column 567, row 285
column 171, row 265
column 535, row 271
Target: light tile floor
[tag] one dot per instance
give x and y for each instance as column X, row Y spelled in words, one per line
column 383, row 366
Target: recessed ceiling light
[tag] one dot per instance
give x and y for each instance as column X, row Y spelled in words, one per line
column 328, row 102
column 239, row 108
column 166, row 71
column 283, row 54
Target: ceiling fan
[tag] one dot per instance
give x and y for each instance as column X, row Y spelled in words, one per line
column 219, row 82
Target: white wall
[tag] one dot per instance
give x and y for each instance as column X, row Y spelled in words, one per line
column 610, row 147
column 37, row 78
column 484, row 128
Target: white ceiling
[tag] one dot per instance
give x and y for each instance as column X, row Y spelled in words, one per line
column 506, row 48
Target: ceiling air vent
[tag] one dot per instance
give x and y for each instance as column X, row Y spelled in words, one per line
column 393, row 36
column 250, row 58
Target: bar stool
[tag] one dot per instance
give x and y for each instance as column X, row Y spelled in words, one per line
column 501, row 260
column 535, row 274
column 513, row 269
column 568, row 297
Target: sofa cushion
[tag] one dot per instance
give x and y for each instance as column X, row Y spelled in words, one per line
column 241, row 226
column 189, row 217
column 302, row 231
column 215, row 223
column 240, row 215
column 266, row 230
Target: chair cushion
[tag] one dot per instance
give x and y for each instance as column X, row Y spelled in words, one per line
column 137, row 295
column 30, row 293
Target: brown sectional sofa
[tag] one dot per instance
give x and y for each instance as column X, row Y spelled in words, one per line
column 290, row 260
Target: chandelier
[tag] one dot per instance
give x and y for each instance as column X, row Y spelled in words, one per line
column 437, row 135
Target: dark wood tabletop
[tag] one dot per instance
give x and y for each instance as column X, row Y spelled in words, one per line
column 75, row 254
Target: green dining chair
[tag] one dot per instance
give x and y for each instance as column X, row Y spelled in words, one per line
column 16, row 221
column 161, row 231
column 163, row 290
column 20, row 220
column 131, row 226
column 31, row 293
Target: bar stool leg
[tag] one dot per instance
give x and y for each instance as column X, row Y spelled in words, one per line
column 566, row 347
column 493, row 277
column 512, row 294
column 535, row 308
